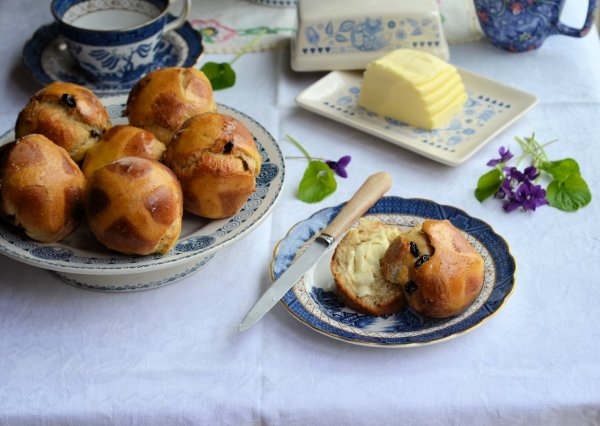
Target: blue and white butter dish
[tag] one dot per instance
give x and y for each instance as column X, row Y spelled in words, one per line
column 348, row 34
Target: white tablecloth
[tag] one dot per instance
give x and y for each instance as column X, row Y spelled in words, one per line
column 173, row 355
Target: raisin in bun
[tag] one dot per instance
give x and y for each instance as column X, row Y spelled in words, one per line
column 69, row 115
column 134, row 205
column 122, row 141
column 440, row 271
column 215, row 158
column 164, row 99
column 355, row 266
column 41, row 188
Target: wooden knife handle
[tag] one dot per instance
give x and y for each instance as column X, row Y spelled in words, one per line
column 371, row 190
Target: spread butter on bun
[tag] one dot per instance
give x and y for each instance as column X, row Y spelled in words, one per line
column 356, row 269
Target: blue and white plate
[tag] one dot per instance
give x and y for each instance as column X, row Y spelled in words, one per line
column 314, row 300
column 82, row 261
column 490, row 108
column 46, row 56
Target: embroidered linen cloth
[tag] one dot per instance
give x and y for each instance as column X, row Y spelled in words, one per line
column 228, row 26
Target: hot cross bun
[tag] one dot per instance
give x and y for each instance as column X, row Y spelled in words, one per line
column 122, row 141
column 164, row 99
column 69, row 115
column 217, row 162
column 41, row 188
column 135, row 206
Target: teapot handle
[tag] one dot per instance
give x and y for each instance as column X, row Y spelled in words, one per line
column 589, row 21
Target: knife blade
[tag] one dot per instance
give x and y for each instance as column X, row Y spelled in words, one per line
column 370, row 191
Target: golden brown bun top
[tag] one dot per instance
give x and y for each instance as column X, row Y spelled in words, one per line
column 215, row 133
column 41, row 188
column 69, row 115
column 85, row 104
column 135, row 205
column 122, row 141
column 165, row 98
column 452, row 277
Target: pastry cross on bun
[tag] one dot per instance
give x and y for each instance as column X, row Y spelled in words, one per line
column 41, row 188
column 135, row 206
column 440, row 272
column 217, row 161
column 69, row 115
column 164, row 99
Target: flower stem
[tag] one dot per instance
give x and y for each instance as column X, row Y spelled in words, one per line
column 248, row 46
column 300, row 147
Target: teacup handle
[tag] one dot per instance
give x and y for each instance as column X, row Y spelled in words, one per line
column 183, row 16
column 589, row 20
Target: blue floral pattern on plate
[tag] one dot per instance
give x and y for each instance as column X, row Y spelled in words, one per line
column 490, row 107
column 376, row 33
column 200, row 238
column 314, row 301
column 45, row 55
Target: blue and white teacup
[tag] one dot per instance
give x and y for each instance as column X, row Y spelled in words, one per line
column 115, row 40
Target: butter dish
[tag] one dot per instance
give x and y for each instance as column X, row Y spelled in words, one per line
column 348, row 34
column 491, row 106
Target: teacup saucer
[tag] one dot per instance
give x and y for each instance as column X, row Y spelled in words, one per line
column 46, row 56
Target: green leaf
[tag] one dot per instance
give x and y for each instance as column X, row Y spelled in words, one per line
column 317, row 183
column 488, row 184
column 570, row 194
column 561, row 170
column 221, row 76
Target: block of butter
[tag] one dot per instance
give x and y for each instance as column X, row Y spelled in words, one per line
column 348, row 34
column 413, row 87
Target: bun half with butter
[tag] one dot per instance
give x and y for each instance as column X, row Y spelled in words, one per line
column 437, row 268
column 356, row 269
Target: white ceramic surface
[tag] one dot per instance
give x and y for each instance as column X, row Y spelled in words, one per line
column 348, row 34
column 80, row 260
column 491, row 107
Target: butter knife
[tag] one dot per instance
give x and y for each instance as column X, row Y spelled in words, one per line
column 371, row 190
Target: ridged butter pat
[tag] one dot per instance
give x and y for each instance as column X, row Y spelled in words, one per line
column 413, row 87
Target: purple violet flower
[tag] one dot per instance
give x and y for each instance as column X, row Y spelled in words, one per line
column 339, row 166
column 527, row 196
column 505, row 155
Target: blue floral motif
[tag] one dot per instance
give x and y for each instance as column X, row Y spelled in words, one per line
column 373, row 33
column 312, row 35
column 522, row 25
column 333, row 306
column 366, row 36
column 460, row 129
